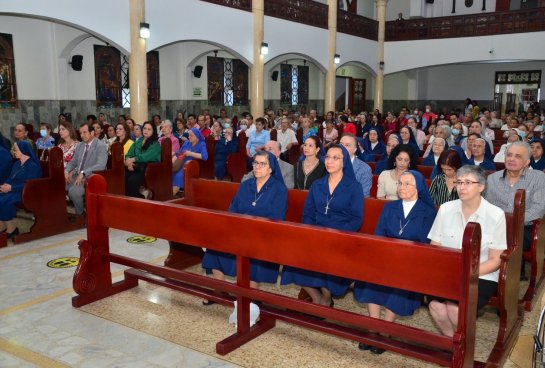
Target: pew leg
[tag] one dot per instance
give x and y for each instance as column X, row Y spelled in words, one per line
column 240, row 338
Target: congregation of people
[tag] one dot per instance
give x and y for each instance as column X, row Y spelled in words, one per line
column 477, row 159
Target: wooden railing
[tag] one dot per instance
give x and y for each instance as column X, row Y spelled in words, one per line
column 301, row 11
column 471, row 25
column 237, row 4
column 357, row 25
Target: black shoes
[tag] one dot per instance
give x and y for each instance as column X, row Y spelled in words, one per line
column 373, row 349
column 13, row 233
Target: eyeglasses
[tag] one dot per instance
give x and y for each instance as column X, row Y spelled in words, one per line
column 405, row 185
column 334, row 158
column 259, row 165
column 465, row 183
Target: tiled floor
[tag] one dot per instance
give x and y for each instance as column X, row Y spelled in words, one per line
column 150, row 326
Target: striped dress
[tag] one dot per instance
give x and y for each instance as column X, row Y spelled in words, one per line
column 439, row 191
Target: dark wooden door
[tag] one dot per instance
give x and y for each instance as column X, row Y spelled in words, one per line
column 356, row 95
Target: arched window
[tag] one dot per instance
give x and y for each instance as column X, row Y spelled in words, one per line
column 8, row 86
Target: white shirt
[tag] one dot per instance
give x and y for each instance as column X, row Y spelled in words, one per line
column 407, row 207
column 449, row 225
column 285, row 138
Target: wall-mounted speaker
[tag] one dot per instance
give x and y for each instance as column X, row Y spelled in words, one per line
column 429, row 1
column 274, row 75
column 198, row 71
column 77, row 62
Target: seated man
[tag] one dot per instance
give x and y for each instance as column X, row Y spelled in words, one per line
column 285, row 168
column 478, row 158
column 502, row 186
column 286, row 137
column 91, row 155
column 363, row 172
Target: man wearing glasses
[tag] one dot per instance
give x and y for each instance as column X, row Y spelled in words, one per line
column 502, row 186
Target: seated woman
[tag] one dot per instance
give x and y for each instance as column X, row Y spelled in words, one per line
column 331, row 134
column 26, row 167
column 448, row 231
column 226, row 145
column 21, row 134
column 265, row 195
column 137, row 131
column 46, row 141
column 442, row 186
column 68, row 141
column 6, row 160
column 400, row 160
column 217, row 130
column 407, row 137
column 414, row 212
column 536, row 161
column 334, row 201
column 310, row 168
column 382, row 164
column 142, row 152
column 166, row 130
column 373, row 146
column 193, row 149
column 122, row 133
column 437, row 147
column 513, row 137
column 457, row 133
column 478, row 155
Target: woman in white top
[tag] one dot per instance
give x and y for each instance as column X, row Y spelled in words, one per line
column 401, row 159
column 448, row 231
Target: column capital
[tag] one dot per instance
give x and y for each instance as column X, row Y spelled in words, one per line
column 381, row 2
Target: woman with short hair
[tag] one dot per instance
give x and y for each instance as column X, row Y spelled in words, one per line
column 442, row 187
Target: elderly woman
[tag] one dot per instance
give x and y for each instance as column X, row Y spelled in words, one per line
column 382, row 164
column 308, row 129
column 536, row 161
column 142, row 152
column 310, row 168
column 226, row 145
column 334, row 201
column 68, row 141
column 441, row 131
column 122, row 132
column 409, row 218
column 408, row 137
column 26, row 167
column 442, row 186
column 166, row 130
column 373, row 146
column 21, row 134
column 457, row 133
column 437, row 147
column 448, row 231
column 193, row 149
column 400, row 160
column 264, row 195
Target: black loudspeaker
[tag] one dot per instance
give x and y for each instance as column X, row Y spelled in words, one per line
column 429, row 1
column 274, row 75
column 198, row 71
column 77, row 62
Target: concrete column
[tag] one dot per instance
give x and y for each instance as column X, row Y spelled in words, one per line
column 257, row 90
column 329, row 93
column 138, row 80
column 379, row 81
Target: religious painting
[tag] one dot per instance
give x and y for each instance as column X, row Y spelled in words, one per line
column 107, row 76
column 285, row 84
column 8, row 86
column 154, row 94
column 302, row 85
column 215, row 68
column 240, row 83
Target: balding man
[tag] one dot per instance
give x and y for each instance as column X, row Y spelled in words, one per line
column 285, row 168
column 502, row 185
column 363, row 172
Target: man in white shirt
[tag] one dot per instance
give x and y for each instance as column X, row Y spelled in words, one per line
column 286, row 137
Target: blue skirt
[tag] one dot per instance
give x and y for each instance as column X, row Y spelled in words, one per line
column 401, row 302
column 8, row 205
column 335, row 284
column 260, row 271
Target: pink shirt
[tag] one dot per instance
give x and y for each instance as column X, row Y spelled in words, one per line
column 174, row 140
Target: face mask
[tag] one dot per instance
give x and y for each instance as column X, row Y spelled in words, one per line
column 416, row 112
column 226, row 125
column 522, row 134
column 428, row 110
column 243, row 127
column 542, row 118
column 43, row 133
column 455, row 131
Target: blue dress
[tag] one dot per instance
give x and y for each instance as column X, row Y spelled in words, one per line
column 485, row 165
column 418, row 224
column 345, row 212
column 18, row 176
column 540, row 165
column 381, row 165
column 272, row 202
column 222, row 150
column 429, row 160
column 199, row 147
column 6, row 162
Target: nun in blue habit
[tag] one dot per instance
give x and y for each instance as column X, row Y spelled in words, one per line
column 373, row 146
column 342, row 209
column 26, row 167
column 264, row 195
column 6, row 160
column 409, row 218
column 537, row 161
column 193, row 149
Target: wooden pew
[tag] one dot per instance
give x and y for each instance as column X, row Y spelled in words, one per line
column 158, row 176
column 217, row 196
column 535, row 256
column 207, row 167
column 236, row 162
column 115, row 173
column 425, row 269
column 46, row 199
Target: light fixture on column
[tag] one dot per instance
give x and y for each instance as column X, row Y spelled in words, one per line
column 144, row 30
column 337, row 59
column 381, row 65
column 264, row 48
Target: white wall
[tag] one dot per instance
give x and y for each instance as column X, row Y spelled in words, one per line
column 357, row 72
column 81, row 85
